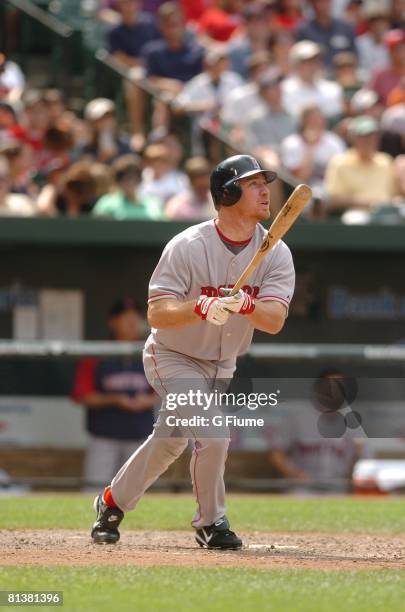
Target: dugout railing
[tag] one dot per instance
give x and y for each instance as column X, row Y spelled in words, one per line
column 287, row 352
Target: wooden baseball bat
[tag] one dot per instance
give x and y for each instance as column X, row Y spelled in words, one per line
column 281, row 224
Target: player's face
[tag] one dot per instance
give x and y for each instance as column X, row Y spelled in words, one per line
column 255, row 200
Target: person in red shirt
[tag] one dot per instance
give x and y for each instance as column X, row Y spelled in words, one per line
column 383, row 81
column 220, row 21
column 32, row 129
column 288, row 14
column 193, row 9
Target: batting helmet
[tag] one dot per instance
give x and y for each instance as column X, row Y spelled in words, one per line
column 225, row 188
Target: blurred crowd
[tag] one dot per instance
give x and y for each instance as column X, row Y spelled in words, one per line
column 315, row 89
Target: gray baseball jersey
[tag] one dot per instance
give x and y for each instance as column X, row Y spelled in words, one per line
column 196, row 262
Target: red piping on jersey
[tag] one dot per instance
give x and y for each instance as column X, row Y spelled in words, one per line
column 152, row 297
column 195, row 484
column 272, row 297
column 156, row 370
column 195, row 439
column 229, row 241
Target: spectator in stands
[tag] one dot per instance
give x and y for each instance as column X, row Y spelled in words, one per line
column 105, row 144
column 371, row 49
column 21, row 167
column 397, row 14
column 126, row 40
column 177, row 58
column 12, row 80
column 195, row 203
column 244, row 99
column 34, row 123
column 350, row 10
column 123, row 202
column 204, row 95
column 171, row 141
column 397, row 95
column 361, row 177
column 307, row 153
column 253, row 38
column 279, row 44
column 269, row 125
column 103, row 178
column 288, row 14
column 347, row 75
column 364, row 102
column 307, row 86
column 159, row 178
column 58, row 146
column 220, row 20
column 12, row 204
column 8, row 118
column 332, row 34
column 117, row 399
column 58, row 114
column 300, row 453
column 170, row 62
column 393, row 134
column 193, row 9
column 384, row 80
column 74, row 196
column 399, row 169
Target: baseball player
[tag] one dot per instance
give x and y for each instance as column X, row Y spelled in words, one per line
column 197, row 334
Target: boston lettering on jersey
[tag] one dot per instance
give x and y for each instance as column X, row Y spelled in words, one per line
column 216, row 291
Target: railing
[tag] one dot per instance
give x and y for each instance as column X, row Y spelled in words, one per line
column 43, row 17
column 289, row 352
column 61, row 40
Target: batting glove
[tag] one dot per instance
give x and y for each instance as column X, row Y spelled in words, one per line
column 241, row 302
column 210, row 309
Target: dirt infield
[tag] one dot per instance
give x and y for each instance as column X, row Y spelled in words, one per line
column 177, row 548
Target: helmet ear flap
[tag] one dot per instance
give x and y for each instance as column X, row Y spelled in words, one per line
column 231, row 194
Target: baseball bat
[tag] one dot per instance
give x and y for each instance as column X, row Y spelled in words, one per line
column 281, row 224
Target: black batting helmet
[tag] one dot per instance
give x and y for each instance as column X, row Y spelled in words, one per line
column 225, row 188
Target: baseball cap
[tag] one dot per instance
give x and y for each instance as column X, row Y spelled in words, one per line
column 272, row 76
column 304, row 50
column 373, row 9
column 363, row 126
column 393, row 119
column 97, row 108
column 122, row 305
column 394, row 38
column 363, row 99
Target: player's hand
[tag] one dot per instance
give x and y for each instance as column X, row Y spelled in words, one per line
column 210, row 309
column 241, row 302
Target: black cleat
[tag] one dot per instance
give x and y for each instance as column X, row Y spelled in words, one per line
column 105, row 529
column 218, row 536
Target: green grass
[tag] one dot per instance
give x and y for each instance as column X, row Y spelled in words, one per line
column 258, row 513
column 128, row 588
